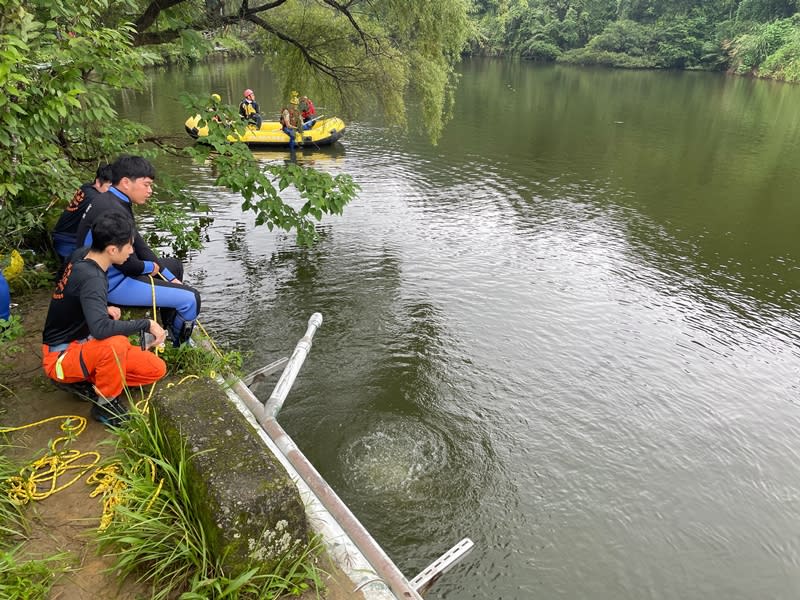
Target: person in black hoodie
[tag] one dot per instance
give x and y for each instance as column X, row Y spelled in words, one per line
column 66, row 227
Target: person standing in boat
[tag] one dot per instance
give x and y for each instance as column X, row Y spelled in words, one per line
column 248, row 108
column 291, row 120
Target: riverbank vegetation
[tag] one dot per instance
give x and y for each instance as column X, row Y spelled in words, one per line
column 137, row 494
column 747, row 37
column 21, row 576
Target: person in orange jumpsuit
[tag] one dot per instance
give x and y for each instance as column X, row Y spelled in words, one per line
column 84, row 339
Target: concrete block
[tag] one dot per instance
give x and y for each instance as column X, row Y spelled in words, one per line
column 249, row 506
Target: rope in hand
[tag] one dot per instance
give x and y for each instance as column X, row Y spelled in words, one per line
column 159, row 348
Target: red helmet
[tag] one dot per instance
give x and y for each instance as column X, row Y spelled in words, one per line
column 247, row 92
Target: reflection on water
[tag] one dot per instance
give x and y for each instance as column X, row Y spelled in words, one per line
column 321, row 157
column 574, row 340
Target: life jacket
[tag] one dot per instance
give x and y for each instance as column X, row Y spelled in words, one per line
column 247, row 108
column 288, row 117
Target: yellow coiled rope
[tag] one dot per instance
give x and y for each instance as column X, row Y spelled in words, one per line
column 108, row 483
column 40, row 479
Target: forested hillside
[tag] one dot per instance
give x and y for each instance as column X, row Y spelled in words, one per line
column 758, row 37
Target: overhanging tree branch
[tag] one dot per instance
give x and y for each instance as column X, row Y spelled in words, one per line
column 345, row 11
column 150, row 14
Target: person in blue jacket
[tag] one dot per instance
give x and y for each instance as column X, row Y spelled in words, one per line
column 143, row 274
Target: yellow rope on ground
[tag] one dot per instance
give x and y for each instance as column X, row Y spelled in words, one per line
column 39, row 479
column 112, row 487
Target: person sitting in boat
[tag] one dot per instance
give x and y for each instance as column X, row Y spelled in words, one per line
column 291, row 121
column 307, row 111
column 248, row 108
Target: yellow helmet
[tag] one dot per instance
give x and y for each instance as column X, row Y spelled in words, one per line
column 216, row 98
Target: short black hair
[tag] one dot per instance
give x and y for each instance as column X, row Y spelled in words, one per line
column 112, row 228
column 132, row 167
column 104, row 173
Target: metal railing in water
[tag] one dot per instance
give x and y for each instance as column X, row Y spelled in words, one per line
column 266, row 415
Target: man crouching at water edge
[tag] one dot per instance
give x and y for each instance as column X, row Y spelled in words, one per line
column 84, row 338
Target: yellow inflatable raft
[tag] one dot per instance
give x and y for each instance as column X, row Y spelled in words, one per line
column 323, row 132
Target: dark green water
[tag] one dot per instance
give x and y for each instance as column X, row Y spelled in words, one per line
column 569, row 331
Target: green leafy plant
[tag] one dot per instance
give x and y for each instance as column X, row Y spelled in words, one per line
column 22, row 579
column 11, row 329
column 197, row 360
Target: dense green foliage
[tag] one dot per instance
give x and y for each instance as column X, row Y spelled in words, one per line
column 758, row 37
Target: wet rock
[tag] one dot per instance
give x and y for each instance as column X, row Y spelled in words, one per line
column 248, row 504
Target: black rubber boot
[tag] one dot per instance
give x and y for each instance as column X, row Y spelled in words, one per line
column 83, row 390
column 111, row 413
column 184, row 335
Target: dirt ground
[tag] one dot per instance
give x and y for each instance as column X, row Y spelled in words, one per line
column 64, row 521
